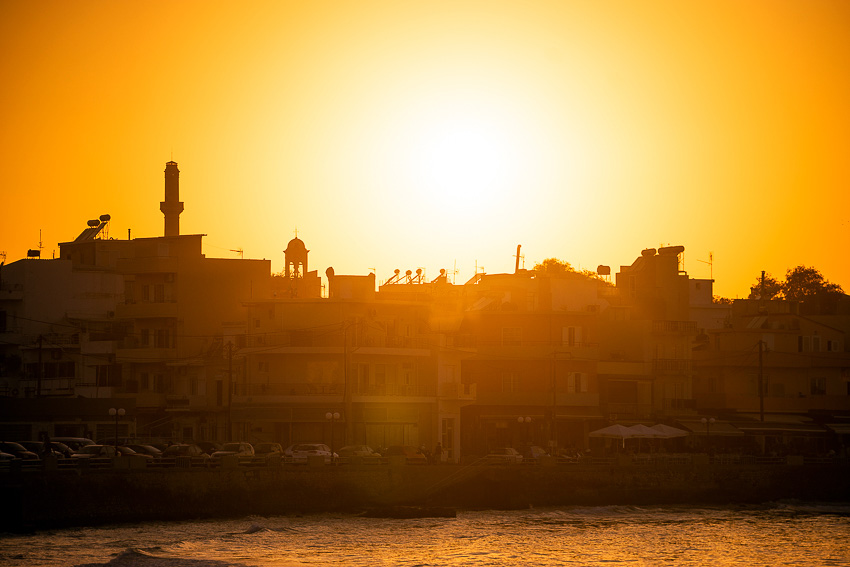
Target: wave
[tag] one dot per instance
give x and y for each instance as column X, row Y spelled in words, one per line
column 135, row 557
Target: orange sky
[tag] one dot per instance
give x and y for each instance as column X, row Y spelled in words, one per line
column 437, row 134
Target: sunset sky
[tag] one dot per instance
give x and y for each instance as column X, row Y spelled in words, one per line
column 411, row 134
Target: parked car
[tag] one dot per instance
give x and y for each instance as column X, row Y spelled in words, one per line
column 302, row 451
column 268, row 449
column 358, row 451
column 95, row 452
column 238, row 449
column 62, row 448
column 128, row 452
column 18, row 450
column 413, row 456
column 73, row 442
column 37, row 447
column 504, row 455
column 208, row 447
column 183, row 450
column 534, row 452
column 146, row 450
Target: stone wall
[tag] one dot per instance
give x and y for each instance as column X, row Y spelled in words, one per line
column 62, row 498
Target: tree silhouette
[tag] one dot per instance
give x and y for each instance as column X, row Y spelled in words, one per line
column 800, row 283
column 553, row 267
column 770, row 288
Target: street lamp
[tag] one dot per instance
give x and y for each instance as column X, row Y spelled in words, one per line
column 707, row 422
column 526, row 420
column 332, row 417
column 117, row 413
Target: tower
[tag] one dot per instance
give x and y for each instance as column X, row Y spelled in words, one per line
column 172, row 206
column 295, row 257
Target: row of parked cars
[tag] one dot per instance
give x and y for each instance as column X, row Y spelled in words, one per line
column 81, row 448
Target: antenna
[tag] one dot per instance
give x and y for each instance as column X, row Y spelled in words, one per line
column 238, row 251
column 710, row 265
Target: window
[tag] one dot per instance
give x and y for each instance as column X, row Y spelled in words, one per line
column 159, row 293
column 145, row 337
column 576, row 382
column 162, row 339
column 263, row 366
column 817, row 386
column 571, row 336
column 511, row 336
column 509, row 383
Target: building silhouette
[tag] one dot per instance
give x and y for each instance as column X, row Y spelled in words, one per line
column 197, row 348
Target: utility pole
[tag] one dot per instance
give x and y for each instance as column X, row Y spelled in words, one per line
column 229, row 388
column 40, row 367
column 761, row 380
column 347, row 401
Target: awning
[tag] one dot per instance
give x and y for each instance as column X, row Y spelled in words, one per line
column 768, row 427
column 718, row 428
column 840, row 428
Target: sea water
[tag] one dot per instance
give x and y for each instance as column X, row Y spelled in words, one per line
column 785, row 533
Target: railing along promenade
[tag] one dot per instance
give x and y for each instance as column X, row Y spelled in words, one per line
column 136, row 464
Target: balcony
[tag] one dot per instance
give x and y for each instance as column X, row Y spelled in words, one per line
column 674, row 327
column 397, row 390
column 145, row 354
column 625, row 411
column 667, row 366
column 148, row 265
column 582, row 399
column 457, row 391
column 146, row 310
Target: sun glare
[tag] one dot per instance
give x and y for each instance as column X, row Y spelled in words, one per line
column 459, row 160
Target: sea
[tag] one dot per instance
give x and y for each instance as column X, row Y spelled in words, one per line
column 778, row 533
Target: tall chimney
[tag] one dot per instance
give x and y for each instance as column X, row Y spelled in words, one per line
column 172, row 206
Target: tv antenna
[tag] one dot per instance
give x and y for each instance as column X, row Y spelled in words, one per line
column 239, row 251
column 710, row 263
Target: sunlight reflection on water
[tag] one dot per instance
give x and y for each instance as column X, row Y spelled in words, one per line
column 781, row 534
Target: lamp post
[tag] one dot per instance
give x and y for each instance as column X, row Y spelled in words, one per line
column 117, row 413
column 707, row 422
column 526, row 420
column 332, row 417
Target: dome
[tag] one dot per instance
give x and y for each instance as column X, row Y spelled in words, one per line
column 295, row 246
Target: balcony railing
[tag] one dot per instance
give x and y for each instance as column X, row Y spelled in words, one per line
column 675, row 327
column 671, row 366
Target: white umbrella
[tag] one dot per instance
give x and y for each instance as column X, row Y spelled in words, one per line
column 668, row 431
column 644, row 431
column 616, row 431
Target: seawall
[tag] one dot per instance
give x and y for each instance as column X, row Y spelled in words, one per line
column 53, row 498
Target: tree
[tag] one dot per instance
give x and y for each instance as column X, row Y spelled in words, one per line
column 553, row 267
column 803, row 282
column 800, row 283
column 772, row 288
